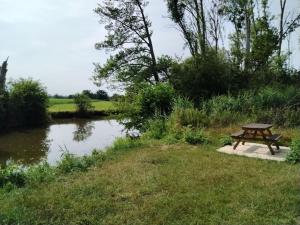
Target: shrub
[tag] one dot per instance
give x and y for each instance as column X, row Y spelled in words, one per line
column 28, row 101
column 294, row 154
column 71, row 163
column 194, row 136
column 226, row 140
column 39, row 173
column 156, row 128
column 13, row 175
column 83, row 104
column 205, row 76
column 149, row 101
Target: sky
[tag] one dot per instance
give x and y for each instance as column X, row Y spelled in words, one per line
column 53, row 40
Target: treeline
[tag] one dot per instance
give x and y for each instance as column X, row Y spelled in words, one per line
column 98, row 95
column 254, row 57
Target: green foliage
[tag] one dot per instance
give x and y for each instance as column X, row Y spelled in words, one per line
column 195, row 136
column 226, row 140
column 130, row 38
column 182, row 103
column 205, row 76
column 14, row 175
column 124, row 144
column 156, row 128
column 100, row 94
column 274, row 105
column 40, row 173
column 294, row 154
column 150, row 100
column 71, row 163
column 83, row 104
column 28, row 101
column 188, row 117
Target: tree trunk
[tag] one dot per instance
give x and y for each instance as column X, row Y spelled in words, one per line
column 282, row 10
column 150, row 44
column 248, row 13
column 203, row 22
column 3, row 71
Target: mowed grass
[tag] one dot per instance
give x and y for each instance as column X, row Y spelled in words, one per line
column 163, row 184
column 68, row 105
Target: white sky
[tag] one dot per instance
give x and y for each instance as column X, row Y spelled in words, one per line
column 53, row 40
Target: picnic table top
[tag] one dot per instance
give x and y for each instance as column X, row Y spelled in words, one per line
column 257, row 126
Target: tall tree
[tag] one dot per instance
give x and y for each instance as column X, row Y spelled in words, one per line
column 189, row 16
column 281, row 25
column 215, row 22
column 3, row 71
column 241, row 14
column 128, row 36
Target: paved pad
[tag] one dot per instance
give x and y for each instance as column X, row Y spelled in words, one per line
column 255, row 150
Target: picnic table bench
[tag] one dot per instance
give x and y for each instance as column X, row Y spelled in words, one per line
column 257, row 132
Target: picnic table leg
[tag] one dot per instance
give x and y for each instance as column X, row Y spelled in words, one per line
column 237, row 143
column 268, row 144
column 271, row 149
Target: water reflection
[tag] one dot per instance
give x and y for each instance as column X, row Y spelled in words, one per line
column 25, row 146
column 84, row 130
column 79, row 137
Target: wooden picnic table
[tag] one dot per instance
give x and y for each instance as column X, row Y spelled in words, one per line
column 257, row 132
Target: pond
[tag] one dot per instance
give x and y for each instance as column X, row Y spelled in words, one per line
column 79, row 137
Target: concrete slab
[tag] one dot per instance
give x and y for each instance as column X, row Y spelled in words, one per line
column 255, row 150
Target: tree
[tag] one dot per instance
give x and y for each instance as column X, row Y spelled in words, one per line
column 88, row 93
column 281, row 24
column 130, row 36
column 101, row 95
column 241, row 14
column 3, row 71
column 215, row 22
column 83, row 104
column 189, row 16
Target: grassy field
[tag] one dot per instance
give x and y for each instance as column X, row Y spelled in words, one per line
column 67, row 105
column 163, row 184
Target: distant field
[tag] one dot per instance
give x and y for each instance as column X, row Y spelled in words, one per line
column 67, row 105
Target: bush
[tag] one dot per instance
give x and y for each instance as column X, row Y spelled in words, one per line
column 205, row 76
column 156, row 128
column 14, row 175
column 83, row 104
column 294, row 155
column 194, row 137
column 226, row 140
column 28, row 101
column 40, row 173
column 71, row 163
column 149, row 101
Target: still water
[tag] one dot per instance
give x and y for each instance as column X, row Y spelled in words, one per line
column 79, row 137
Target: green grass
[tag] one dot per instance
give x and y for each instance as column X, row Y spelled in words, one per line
column 67, row 105
column 163, row 184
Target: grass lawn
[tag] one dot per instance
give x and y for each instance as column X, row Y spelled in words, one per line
column 163, row 184
column 67, row 105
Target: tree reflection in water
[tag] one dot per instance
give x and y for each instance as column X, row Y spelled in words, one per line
column 84, row 129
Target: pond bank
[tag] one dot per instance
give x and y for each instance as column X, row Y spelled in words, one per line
column 91, row 114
